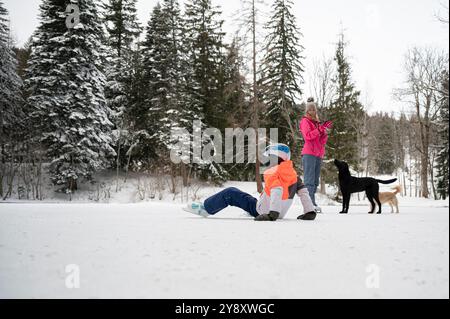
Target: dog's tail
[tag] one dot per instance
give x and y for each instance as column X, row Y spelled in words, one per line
column 386, row 182
column 397, row 189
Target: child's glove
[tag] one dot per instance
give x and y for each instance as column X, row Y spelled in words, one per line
column 272, row 216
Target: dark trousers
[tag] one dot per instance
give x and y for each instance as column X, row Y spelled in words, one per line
column 231, row 197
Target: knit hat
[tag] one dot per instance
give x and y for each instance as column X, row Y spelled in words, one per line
column 310, row 104
column 280, row 150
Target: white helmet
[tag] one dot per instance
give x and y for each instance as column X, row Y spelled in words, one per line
column 281, row 150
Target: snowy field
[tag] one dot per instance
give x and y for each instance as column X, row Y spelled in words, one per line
column 155, row 250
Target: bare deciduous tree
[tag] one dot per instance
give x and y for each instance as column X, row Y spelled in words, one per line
column 323, row 90
column 321, row 81
column 423, row 68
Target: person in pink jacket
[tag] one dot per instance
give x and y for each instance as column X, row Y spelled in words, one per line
column 315, row 135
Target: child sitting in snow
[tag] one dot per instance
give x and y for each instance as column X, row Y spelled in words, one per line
column 281, row 185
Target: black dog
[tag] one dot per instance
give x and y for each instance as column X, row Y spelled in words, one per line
column 349, row 184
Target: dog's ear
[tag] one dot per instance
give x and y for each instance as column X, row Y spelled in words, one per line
column 338, row 163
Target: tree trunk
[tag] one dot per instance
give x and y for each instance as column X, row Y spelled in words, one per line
column 256, row 102
column 127, row 168
column 424, row 175
column 404, row 184
column 410, row 176
column 433, row 187
column 424, row 144
column 118, row 160
column 322, row 186
column 184, row 175
column 415, row 183
column 73, row 185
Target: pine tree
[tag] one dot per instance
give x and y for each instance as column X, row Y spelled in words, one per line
column 122, row 32
column 236, row 88
column 282, row 74
column 170, row 97
column 250, row 14
column 22, row 56
column 345, row 111
column 11, row 113
column 142, row 113
column 182, row 102
column 121, row 24
column 205, row 57
column 166, row 84
column 442, row 158
column 399, row 143
column 65, row 84
column 205, row 40
column 384, row 152
column 237, row 101
column 152, row 105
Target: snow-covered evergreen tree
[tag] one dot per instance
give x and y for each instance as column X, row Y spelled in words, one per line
column 345, row 111
column 122, row 32
column 236, row 88
column 11, row 115
column 171, row 96
column 22, row 56
column 65, row 83
column 144, row 114
column 167, row 80
column 204, row 35
column 384, row 153
column 206, row 54
column 282, row 73
column 442, row 165
column 122, row 25
column 238, row 103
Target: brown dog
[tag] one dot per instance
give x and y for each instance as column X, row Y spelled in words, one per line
column 391, row 198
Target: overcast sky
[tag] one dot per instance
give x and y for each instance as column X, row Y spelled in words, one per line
column 379, row 33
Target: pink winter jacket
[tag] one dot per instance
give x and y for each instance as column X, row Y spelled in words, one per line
column 314, row 140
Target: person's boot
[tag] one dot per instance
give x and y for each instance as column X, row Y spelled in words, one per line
column 308, row 216
column 196, row 209
column 272, row 216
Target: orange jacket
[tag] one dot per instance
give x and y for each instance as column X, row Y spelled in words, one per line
column 282, row 175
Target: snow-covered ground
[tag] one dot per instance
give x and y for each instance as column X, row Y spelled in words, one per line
column 155, row 250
